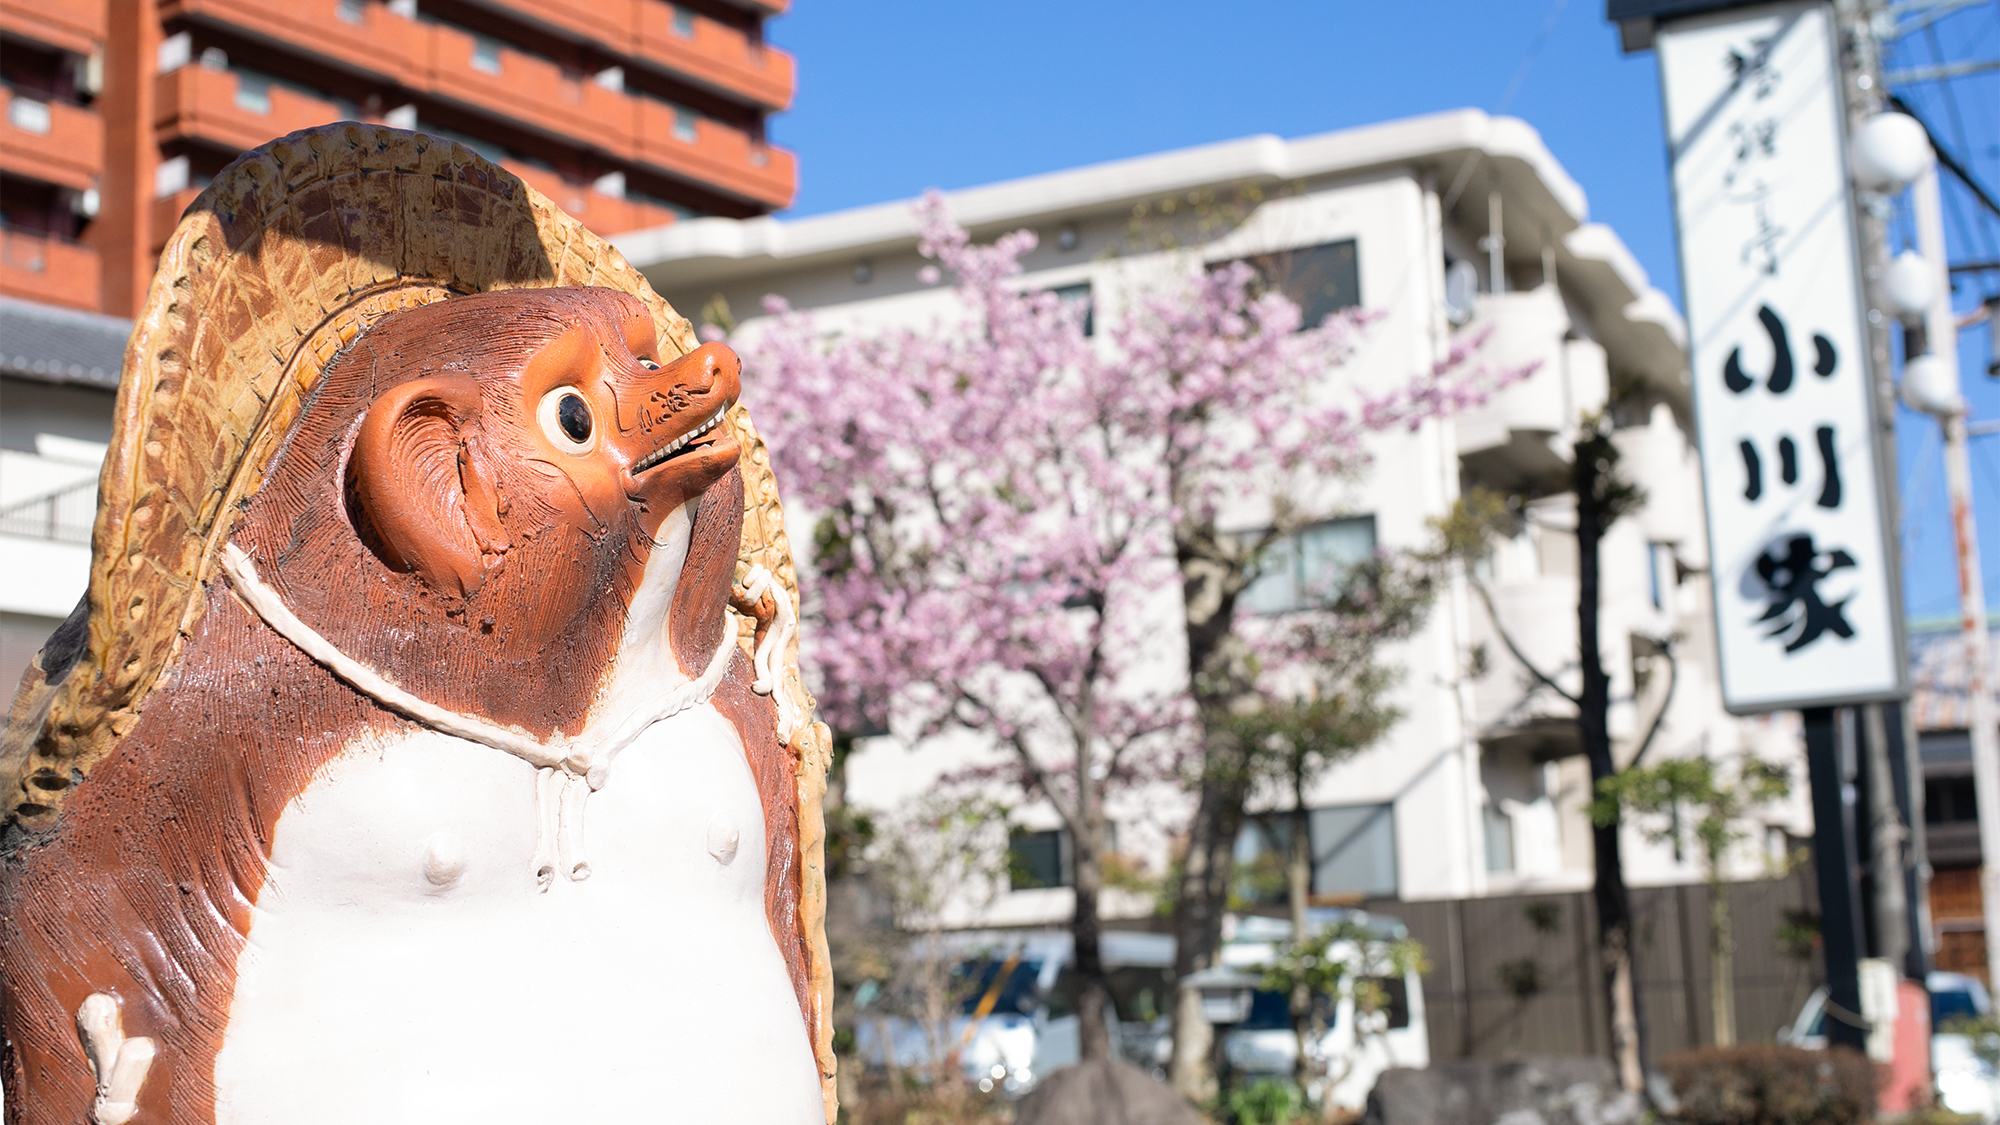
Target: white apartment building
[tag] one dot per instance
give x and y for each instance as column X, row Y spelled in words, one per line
column 1444, row 224
column 58, row 381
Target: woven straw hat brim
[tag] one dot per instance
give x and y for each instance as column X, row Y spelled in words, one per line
column 293, row 251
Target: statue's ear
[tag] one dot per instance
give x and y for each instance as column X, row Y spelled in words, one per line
column 420, row 486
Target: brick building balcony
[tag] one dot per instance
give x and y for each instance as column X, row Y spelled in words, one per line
column 479, row 74
column 50, row 141
column 465, row 68
column 367, row 37
column 35, row 267
column 711, row 53
column 601, row 213
column 233, row 110
column 76, row 26
column 715, row 154
column 703, row 51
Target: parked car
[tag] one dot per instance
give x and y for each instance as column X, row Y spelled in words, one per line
column 1029, row 1025
column 1264, row 1044
column 1029, row 1028
column 1966, row 1083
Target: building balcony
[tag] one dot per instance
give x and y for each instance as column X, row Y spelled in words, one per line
column 713, row 54
column 480, row 75
column 167, row 212
column 1518, row 439
column 366, row 37
column 1660, row 458
column 1539, row 615
column 76, row 26
column 232, row 110
column 53, row 142
column 603, row 214
column 472, row 71
column 35, row 267
column 707, row 151
column 705, row 52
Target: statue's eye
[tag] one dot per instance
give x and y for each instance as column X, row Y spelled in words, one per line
column 566, row 420
column 574, row 416
column 648, row 364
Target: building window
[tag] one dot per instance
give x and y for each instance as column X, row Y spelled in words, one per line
column 684, row 127
column 1305, row 569
column 1320, row 280
column 29, row 115
column 351, row 11
column 1036, row 860
column 1950, row 800
column 1354, row 851
column 253, row 95
column 683, row 22
column 1499, row 839
column 485, row 54
column 1078, row 297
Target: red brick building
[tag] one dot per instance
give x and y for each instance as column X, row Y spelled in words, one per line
column 115, row 113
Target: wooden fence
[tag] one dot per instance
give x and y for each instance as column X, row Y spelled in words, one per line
column 1518, row 975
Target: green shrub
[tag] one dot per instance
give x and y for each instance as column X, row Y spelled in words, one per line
column 1267, row 1101
column 1760, row 1084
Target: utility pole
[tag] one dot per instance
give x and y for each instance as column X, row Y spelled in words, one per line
column 1931, row 384
column 1886, row 823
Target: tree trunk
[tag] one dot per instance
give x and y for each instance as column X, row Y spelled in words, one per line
column 1200, row 900
column 1721, row 958
column 1093, row 1036
column 1590, row 474
column 1298, row 889
column 1219, row 681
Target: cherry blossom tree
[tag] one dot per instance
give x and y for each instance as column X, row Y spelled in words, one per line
column 1005, row 506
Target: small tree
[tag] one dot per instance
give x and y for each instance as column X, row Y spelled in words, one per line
column 1603, row 495
column 1327, row 700
column 1667, row 795
column 1320, row 965
column 942, row 851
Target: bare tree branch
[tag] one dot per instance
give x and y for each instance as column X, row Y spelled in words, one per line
column 1673, row 677
column 1500, row 628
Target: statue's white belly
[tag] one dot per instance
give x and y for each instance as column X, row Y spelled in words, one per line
column 652, row 991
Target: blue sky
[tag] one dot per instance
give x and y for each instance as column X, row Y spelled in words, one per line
column 899, row 95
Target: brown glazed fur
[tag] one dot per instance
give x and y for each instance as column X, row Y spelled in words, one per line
column 144, row 890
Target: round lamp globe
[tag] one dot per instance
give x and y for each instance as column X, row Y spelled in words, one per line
column 1930, row 385
column 1888, row 151
column 1909, row 285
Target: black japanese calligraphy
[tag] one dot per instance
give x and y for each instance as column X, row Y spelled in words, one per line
column 1797, row 612
column 1778, row 382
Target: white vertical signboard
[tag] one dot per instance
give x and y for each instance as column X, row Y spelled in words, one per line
column 1805, row 606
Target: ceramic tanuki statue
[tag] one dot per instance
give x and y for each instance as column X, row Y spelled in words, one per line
column 472, row 782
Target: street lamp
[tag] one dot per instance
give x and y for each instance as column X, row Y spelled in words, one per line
column 1888, row 151
column 1909, row 286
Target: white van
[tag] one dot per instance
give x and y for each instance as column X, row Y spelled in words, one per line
column 1264, row 1044
column 1030, row 1025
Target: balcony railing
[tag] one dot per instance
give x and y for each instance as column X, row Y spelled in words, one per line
column 234, row 110
column 1516, row 439
column 62, row 517
column 50, row 141
column 76, row 26
column 600, row 212
column 459, row 67
column 36, row 267
column 694, row 47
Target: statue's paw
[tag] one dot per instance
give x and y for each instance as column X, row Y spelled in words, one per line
column 119, row 1063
